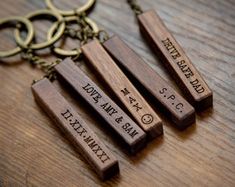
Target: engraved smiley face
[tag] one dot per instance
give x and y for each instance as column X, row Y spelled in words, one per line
column 147, row 118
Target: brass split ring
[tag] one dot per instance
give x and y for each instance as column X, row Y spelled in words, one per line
column 73, row 52
column 39, row 14
column 28, row 39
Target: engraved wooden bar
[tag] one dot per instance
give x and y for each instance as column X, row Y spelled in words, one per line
column 145, row 116
column 123, row 125
column 89, row 145
column 181, row 112
column 189, row 79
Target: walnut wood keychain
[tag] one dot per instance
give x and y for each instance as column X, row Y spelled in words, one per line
column 89, row 145
column 123, row 89
column 171, row 53
column 181, row 112
column 53, row 103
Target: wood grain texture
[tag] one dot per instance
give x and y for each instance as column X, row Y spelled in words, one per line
column 67, row 119
column 117, row 81
column 176, row 60
column 33, row 152
column 182, row 114
column 132, row 135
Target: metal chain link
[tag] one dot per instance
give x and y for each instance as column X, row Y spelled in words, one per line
column 102, row 36
column 85, row 33
column 45, row 66
column 135, row 6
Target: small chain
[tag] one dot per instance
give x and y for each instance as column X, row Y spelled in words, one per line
column 73, row 33
column 135, row 6
column 36, row 61
column 102, row 36
column 85, row 33
column 88, row 33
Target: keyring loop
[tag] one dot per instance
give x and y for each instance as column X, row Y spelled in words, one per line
column 29, row 37
column 79, row 10
column 39, row 14
column 74, row 52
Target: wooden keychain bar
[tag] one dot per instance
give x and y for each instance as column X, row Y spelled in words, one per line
column 173, row 56
column 133, row 136
column 181, row 112
column 67, row 119
column 145, row 116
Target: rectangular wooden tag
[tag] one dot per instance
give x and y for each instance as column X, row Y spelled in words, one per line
column 141, row 111
column 181, row 112
column 186, row 75
column 89, row 145
column 128, row 130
